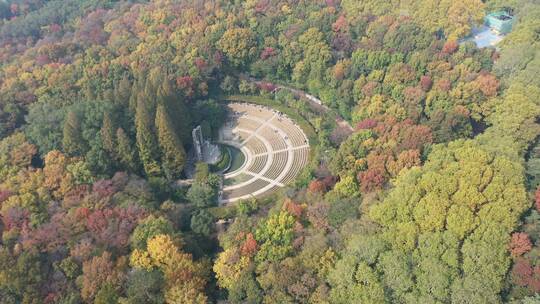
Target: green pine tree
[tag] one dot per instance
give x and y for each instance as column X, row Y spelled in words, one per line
column 89, row 92
column 135, row 91
column 127, row 156
column 168, row 96
column 107, row 135
column 122, row 91
column 173, row 153
column 146, row 139
column 154, row 80
column 151, row 85
column 108, row 95
column 73, row 142
column 165, row 89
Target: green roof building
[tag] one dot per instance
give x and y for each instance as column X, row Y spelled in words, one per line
column 500, row 21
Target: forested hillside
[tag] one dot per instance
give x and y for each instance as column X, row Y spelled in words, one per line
column 434, row 196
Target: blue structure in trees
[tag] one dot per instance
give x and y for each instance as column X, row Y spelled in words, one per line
column 501, row 22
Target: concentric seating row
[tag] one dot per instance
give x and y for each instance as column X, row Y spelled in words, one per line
column 300, row 160
column 295, row 135
column 274, row 138
column 258, row 164
column 245, row 190
column 255, row 145
column 278, row 164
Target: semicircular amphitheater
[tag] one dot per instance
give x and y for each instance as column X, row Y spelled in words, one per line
column 275, row 150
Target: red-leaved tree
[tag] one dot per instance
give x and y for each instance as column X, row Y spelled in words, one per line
column 537, row 199
column 520, row 244
column 249, row 247
column 113, row 227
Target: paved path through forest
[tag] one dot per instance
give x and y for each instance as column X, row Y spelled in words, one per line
column 314, row 102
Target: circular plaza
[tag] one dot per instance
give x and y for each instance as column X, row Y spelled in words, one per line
column 274, row 150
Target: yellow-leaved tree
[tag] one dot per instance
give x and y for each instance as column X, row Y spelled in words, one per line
column 229, row 267
column 185, row 278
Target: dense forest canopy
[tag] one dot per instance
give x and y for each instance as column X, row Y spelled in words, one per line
column 433, row 197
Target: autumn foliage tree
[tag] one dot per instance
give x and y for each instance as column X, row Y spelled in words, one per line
column 537, row 199
column 99, row 272
column 238, row 44
column 185, row 278
column 519, row 244
column 442, row 210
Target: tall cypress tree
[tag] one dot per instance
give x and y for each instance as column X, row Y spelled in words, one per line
column 169, row 97
column 135, row 91
column 173, row 153
column 154, row 80
column 89, row 92
column 108, row 95
column 146, row 140
column 73, row 142
column 107, row 135
column 122, row 91
column 151, row 85
column 127, row 156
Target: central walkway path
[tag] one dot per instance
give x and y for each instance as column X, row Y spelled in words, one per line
column 265, row 123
